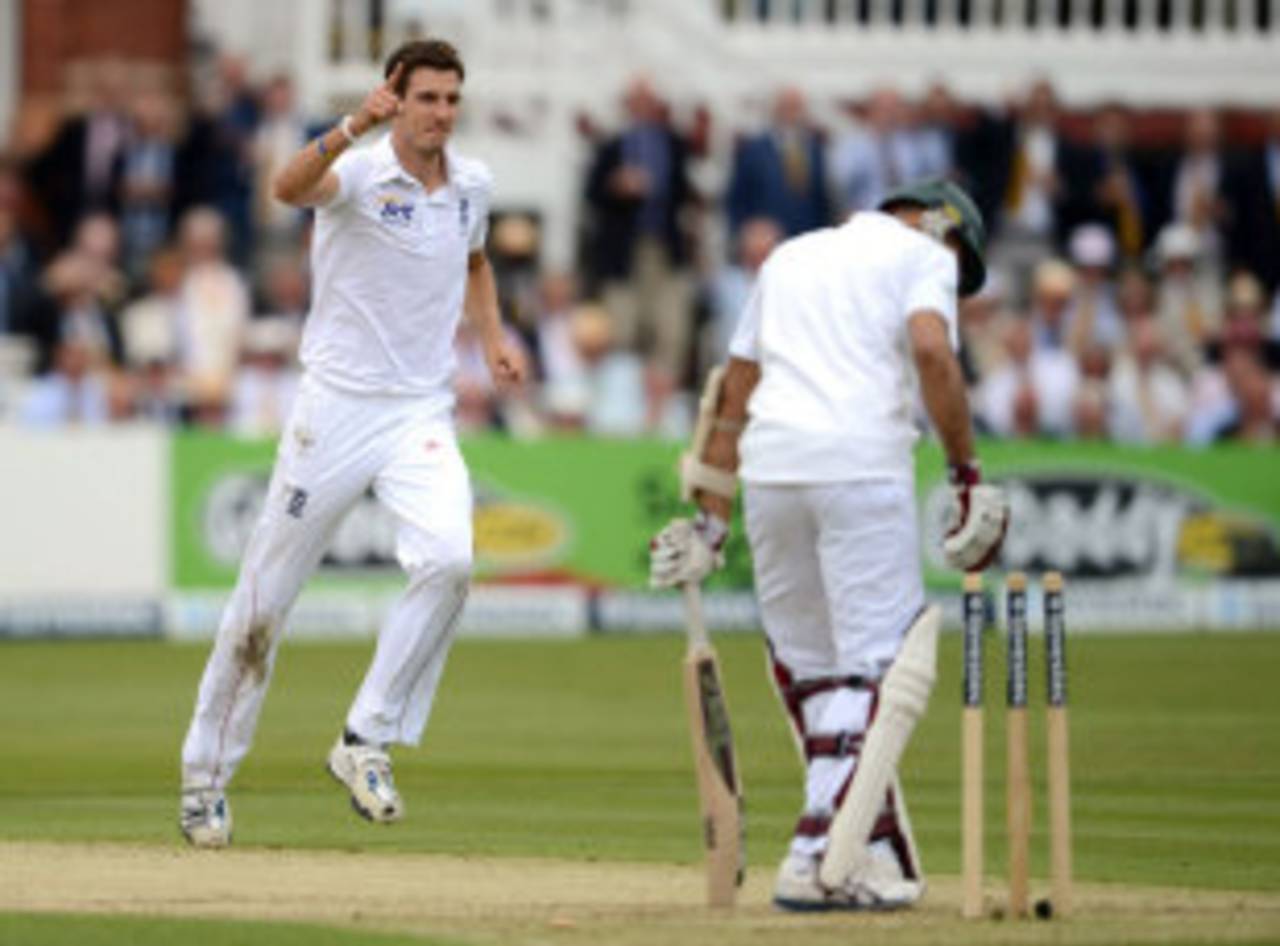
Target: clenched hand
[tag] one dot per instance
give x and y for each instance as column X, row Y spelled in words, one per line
column 379, row 105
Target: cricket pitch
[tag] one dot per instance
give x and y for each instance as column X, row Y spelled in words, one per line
column 512, row 900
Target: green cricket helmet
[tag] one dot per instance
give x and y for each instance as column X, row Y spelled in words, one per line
column 958, row 214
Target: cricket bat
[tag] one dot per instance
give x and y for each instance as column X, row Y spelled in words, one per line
column 716, row 767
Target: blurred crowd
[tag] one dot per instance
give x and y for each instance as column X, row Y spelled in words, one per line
column 145, row 272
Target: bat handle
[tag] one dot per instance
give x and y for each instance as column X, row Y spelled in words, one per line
column 697, row 625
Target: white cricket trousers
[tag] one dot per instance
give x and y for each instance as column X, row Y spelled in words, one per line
column 837, row 571
column 334, row 447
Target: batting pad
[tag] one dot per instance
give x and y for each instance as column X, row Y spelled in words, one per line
column 904, row 695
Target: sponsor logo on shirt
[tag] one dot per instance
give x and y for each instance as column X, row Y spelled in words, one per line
column 395, row 212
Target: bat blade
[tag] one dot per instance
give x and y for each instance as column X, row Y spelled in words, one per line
column 719, row 782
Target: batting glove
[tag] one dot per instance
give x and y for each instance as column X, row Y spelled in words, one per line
column 976, row 520
column 687, row 550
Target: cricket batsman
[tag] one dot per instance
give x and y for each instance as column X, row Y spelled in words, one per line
column 397, row 255
column 814, row 414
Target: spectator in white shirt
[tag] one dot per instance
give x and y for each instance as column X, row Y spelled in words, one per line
column 75, row 392
column 213, row 305
column 1094, row 318
column 1053, row 286
column 267, row 382
column 1188, row 296
column 1034, row 393
column 149, row 327
column 1149, row 399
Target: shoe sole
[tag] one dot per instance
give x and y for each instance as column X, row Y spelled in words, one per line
column 202, row 847
column 358, row 808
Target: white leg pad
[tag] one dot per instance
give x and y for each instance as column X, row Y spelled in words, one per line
column 904, row 696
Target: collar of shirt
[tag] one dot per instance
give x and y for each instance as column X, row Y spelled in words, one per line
column 389, row 168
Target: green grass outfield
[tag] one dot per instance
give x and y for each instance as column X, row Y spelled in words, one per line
column 579, row 751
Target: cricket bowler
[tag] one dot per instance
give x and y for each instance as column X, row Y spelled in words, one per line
column 397, row 256
column 814, row 413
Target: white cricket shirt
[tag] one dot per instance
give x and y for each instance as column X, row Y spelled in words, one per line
column 827, row 323
column 390, row 270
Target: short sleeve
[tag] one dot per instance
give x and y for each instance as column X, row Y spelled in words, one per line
column 480, row 194
column 349, row 169
column 746, row 337
column 932, row 286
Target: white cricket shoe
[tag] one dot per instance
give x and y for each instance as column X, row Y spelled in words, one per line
column 205, row 817
column 878, row 886
column 366, row 772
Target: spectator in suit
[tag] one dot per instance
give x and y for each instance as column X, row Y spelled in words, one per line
column 148, row 179
column 638, row 192
column 80, row 170
column 18, row 272
column 781, row 173
column 79, row 296
column 1034, row 185
column 875, row 156
column 934, row 132
column 280, row 134
column 230, row 119
column 1200, row 184
column 1255, row 195
column 1028, row 159
column 1103, row 183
